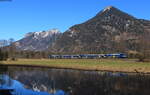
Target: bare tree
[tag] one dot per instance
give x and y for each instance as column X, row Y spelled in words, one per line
column 12, row 49
column 144, row 46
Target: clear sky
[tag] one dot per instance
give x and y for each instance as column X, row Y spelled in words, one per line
column 19, row 17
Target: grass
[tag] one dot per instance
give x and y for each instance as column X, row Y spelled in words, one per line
column 121, row 65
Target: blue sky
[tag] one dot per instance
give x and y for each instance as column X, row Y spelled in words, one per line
column 19, row 17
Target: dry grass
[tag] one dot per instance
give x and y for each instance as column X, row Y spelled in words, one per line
column 122, row 65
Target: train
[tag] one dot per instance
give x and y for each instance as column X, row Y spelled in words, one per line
column 88, row 56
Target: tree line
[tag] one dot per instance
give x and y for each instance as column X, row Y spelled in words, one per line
column 4, row 54
column 10, row 53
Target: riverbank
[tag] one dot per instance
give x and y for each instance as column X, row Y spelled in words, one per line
column 114, row 65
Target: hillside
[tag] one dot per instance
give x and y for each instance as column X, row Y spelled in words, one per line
column 111, row 30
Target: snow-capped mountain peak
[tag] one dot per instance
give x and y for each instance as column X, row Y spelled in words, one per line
column 108, row 8
column 38, row 40
column 43, row 34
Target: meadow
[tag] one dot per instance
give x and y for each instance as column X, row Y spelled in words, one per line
column 114, row 65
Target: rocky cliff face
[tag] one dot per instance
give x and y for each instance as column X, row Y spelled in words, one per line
column 111, row 30
column 38, row 41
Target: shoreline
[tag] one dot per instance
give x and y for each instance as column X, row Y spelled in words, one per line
column 107, row 65
column 70, row 68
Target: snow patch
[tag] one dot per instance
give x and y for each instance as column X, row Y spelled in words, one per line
column 107, row 8
column 43, row 34
column 72, row 33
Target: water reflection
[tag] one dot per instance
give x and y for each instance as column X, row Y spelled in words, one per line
column 13, row 87
column 39, row 81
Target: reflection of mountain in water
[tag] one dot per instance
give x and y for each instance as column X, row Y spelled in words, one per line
column 13, row 87
column 74, row 82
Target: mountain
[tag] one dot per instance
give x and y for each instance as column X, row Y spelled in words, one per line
column 111, row 30
column 38, row 41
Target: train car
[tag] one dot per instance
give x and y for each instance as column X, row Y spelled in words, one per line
column 117, row 55
column 55, row 56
